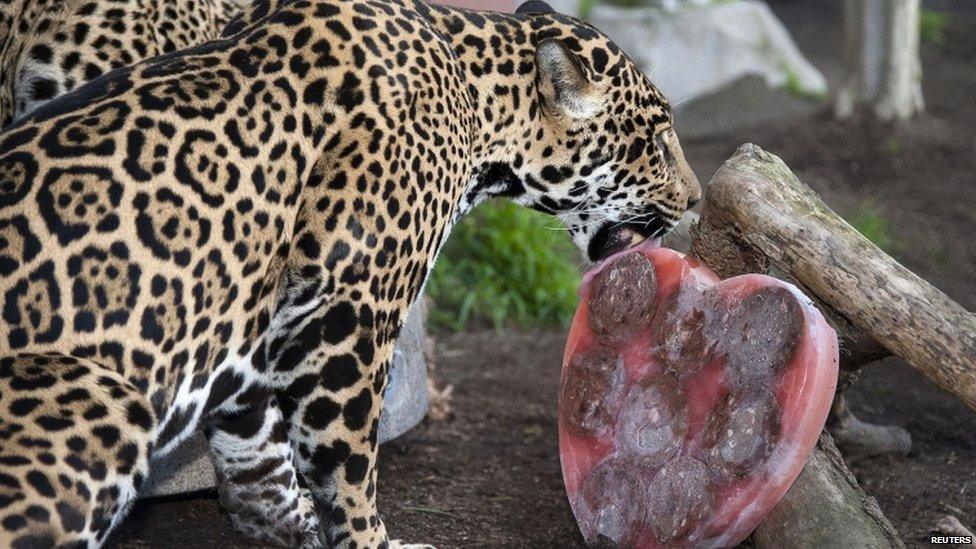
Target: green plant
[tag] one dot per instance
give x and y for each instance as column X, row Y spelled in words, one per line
column 932, row 26
column 892, row 145
column 629, row 3
column 869, row 222
column 585, row 8
column 795, row 87
column 506, row 265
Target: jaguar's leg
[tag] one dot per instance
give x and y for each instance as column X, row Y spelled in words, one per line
column 256, row 478
column 337, row 457
column 332, row 368
column 75, row 440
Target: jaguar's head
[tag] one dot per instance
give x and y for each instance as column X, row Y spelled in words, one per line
column 604, row 156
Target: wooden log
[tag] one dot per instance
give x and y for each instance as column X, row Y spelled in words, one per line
column 825, row 507
column 758, row 217
column 901, row 96
column 730, row 256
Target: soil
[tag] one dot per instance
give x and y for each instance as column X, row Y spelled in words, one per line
column 489, row 477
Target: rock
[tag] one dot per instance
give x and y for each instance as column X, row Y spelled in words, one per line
column 949, row 525
column 405, row 398
column 689, row 51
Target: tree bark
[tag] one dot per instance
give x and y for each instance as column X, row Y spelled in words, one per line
column 825, row 507
column 756, row 202
column 883, row 67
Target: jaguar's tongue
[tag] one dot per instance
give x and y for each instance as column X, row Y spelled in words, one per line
column 641, row 246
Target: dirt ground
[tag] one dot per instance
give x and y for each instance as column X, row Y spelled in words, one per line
column 490, row 477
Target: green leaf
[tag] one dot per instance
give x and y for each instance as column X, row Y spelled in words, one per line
column 505, row 265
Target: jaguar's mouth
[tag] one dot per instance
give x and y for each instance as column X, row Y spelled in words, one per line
column 612, row 238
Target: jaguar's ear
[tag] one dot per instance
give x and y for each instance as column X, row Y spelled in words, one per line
column 534, row 6
column 563, row 84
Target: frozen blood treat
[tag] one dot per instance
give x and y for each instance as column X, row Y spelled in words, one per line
column 653, row 420
column 739, row 432
column 590, row 391
column 610, row 499
column 623, row 299
column 677, row 499
column 688, row 404
column 760, row 334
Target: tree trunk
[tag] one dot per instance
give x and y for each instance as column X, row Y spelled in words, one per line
column 825, row 507
column 883, row 68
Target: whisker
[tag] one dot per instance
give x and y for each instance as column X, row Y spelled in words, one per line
column 654, row 69
column 685, row 100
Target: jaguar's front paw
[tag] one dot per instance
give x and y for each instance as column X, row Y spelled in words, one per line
column 292, row 525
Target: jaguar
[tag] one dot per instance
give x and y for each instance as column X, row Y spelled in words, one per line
column 227, row 238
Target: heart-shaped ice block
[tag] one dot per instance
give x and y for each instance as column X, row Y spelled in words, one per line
column 688, row 405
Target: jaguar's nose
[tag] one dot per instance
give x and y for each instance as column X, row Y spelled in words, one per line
column 686, row 176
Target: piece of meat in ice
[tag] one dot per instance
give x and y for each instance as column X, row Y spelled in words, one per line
column 759, row 335
column 589, row 396
column 677, row 499
column 688, row 405
column 683, row 332
column 623, row 299
column 653, row 420
column 739, row 432
column 610, row 499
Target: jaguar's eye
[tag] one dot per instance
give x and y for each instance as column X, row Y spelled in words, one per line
column 662, row 143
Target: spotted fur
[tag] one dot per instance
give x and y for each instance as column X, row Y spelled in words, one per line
column 228, row 238
column 50, row 47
